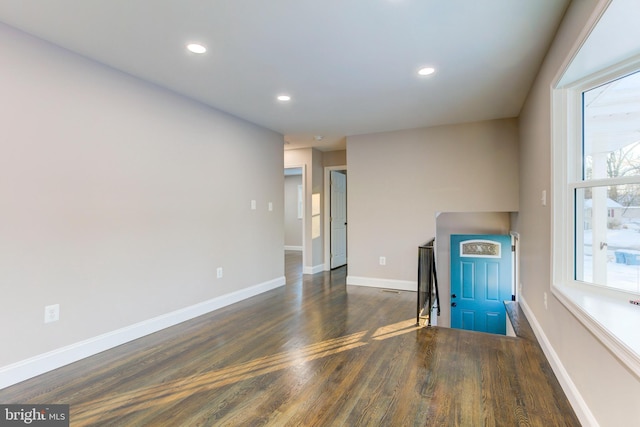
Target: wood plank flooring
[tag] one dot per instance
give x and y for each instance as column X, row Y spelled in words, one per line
column 312, row 353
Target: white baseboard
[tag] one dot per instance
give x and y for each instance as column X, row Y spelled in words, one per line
column 29, row 368
column 293, row 248
column 403, row 285
column 313, row 270
column 583, row 412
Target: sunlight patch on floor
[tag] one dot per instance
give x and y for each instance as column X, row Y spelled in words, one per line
column 396, row 329
column 167, row 392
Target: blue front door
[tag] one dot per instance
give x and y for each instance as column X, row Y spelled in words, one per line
column 481, row 281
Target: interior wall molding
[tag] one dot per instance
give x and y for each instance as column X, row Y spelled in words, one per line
column 313, row 270
column 583, row 412
column 402, row 285
column 33, row 366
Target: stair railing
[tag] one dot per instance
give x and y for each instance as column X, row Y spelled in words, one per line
column 428, row 297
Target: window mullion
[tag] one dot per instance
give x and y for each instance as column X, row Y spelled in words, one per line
column 605, row 182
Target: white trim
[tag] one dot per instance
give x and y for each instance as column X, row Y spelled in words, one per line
column 313, row 270
column 602, row 319
column 614, row 324
column 515, row 241
column 33, row 366
column 403, row 285
column 327, row 213
column 302, row 166
column 300, row 202
column 604, row 182
column 588, row 27
column 581, row 408
column 293, row 248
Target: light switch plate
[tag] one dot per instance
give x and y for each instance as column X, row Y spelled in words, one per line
column 52, row 313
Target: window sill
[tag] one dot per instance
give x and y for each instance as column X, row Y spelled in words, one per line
column 612, row 319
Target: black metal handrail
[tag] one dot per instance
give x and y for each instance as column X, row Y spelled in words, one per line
column 428, row 297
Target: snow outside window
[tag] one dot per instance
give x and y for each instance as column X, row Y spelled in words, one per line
column 606, row 188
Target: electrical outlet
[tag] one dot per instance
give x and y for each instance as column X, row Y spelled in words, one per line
column 219, row 273
column 52, row 313
column 270, row 206
column 383, row 260
column 254, row 205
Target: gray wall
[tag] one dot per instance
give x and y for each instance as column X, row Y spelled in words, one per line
column 610, row 391
column 400, row 181
column 334, row 158
column 120, row 199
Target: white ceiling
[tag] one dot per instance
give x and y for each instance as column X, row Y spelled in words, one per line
column 350, row 66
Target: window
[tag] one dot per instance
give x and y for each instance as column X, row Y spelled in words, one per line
column 596, row 180
column 596, row 210
column 606, row 187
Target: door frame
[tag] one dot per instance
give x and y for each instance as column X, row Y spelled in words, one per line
column 517, row 286
column 304, row 209
column 513, row 258
column 327, row 213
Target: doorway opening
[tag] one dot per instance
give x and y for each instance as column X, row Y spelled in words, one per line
column 335, row 218
column 474, row 223
column 294, row 214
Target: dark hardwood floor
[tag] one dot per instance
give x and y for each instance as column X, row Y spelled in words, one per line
column 312, row 353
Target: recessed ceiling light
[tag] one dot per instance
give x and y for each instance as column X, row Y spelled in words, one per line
column 426, row 71
column 196, row 48
column 284, row 98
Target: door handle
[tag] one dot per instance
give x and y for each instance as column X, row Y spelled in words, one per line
column 453, row 304
column 453, row 295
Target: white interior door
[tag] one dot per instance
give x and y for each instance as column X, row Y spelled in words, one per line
column 338, row 219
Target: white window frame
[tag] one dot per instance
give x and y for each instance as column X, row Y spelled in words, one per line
column 605, row 311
